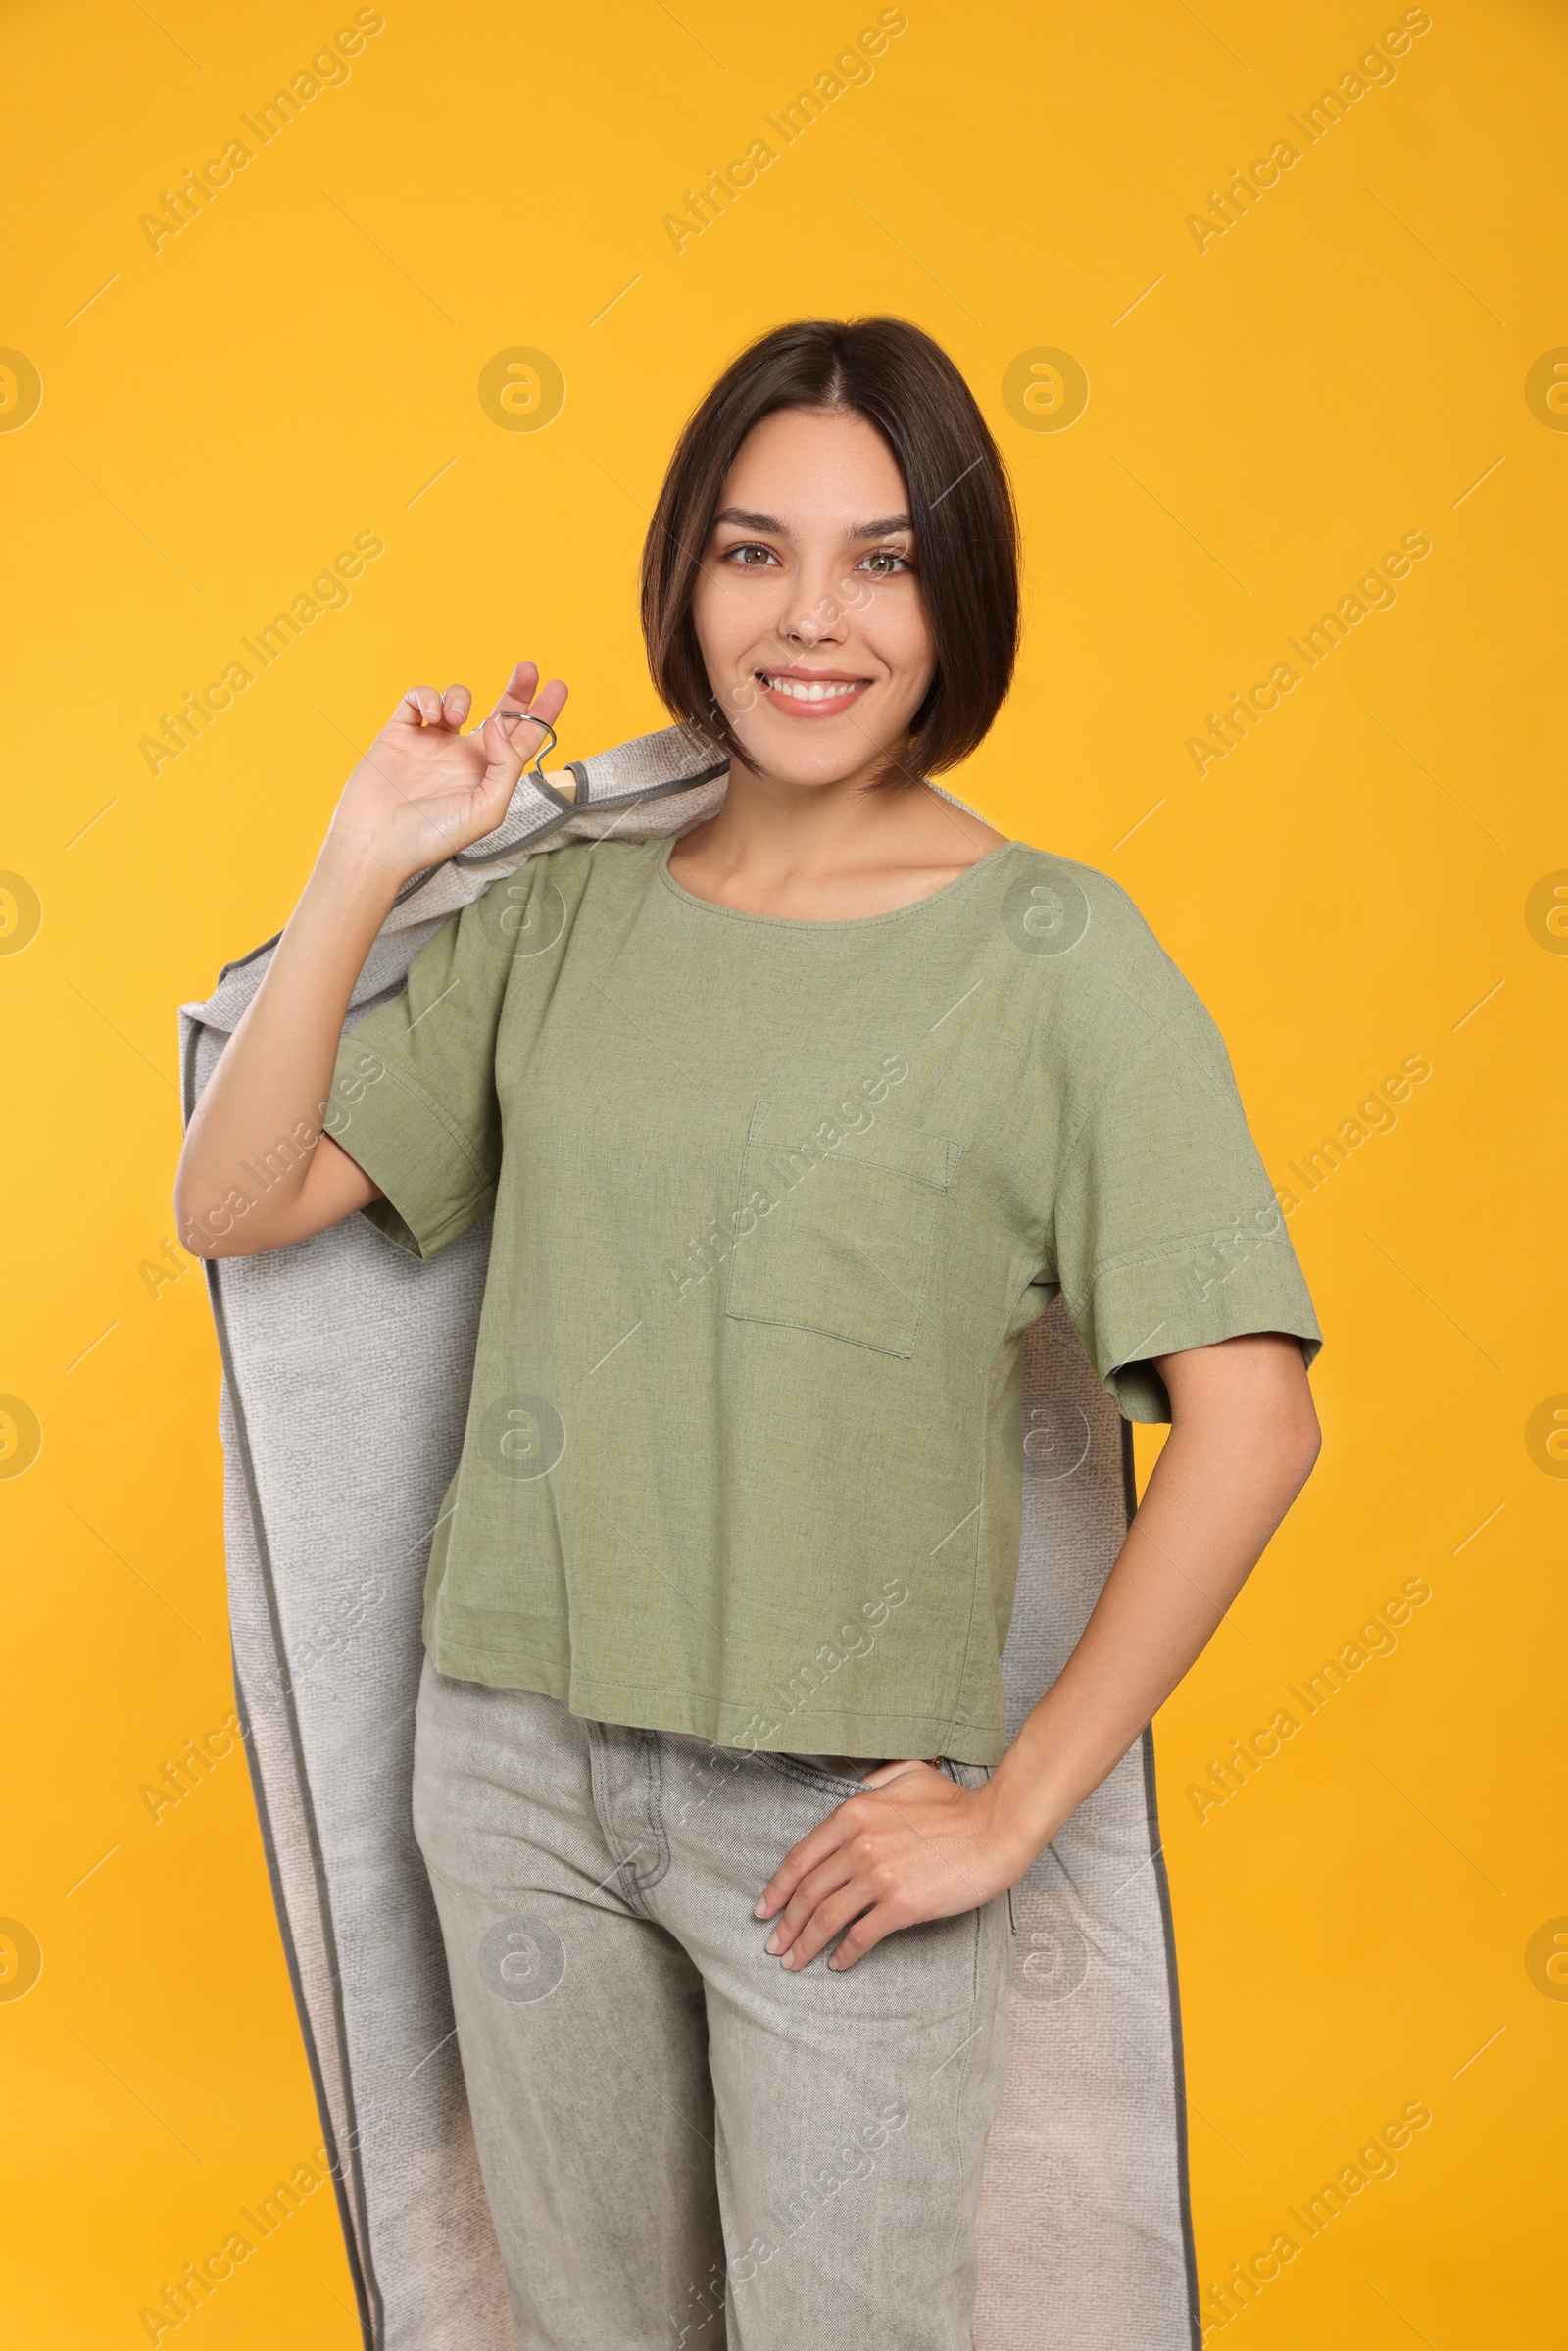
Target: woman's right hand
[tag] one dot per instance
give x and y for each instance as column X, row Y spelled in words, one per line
column 424, row 789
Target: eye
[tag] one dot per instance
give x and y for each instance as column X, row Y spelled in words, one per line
column 883, row 563
column 749, row 556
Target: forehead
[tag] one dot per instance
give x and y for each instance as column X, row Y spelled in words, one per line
column 816, row 469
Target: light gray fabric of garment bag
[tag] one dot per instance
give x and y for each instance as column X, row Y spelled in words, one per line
column 346, row 1372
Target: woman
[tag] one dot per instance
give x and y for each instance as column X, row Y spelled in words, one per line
column 790, row 1130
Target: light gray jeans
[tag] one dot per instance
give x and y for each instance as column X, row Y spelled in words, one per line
column 685, row 2144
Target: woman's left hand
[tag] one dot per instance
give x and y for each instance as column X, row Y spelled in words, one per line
column 915, row 1846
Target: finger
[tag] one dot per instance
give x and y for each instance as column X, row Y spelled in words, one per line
column 887, row 1772
column 519, row 688
column 545, row 706
column 419, row 706
column 868, row 1930
column 777, row 1891
column 829, row 1920
column 508, row 740
column 520, row 733
column 456, row 703
column 825, row 1839
column 828, row 1879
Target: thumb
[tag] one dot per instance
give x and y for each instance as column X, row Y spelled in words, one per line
column 886, row 1773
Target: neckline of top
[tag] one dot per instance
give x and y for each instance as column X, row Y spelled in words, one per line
column 850, row 922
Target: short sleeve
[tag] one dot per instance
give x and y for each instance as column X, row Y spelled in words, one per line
column 1167, row 1234
column 414, row 1093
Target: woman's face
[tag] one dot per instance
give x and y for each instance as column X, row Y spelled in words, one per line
column 809, row 609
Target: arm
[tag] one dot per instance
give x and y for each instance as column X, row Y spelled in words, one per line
column 1244, row 1438
column 423, row 791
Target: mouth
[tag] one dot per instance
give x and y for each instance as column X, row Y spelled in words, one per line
column 811, row 693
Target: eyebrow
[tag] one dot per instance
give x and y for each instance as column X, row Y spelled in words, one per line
column 746, row 520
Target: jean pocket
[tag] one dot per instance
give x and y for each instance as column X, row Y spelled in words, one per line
column 808, row 1772
column 841, row 1222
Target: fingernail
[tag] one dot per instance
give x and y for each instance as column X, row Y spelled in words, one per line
column 760, row 1910
column 771, row 1943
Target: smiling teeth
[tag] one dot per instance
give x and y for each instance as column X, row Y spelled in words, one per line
column 802, row 692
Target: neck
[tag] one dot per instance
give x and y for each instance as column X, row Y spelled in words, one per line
column 822, row 853
column 769, row 824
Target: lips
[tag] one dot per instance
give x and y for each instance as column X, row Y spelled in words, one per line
column 811, row 694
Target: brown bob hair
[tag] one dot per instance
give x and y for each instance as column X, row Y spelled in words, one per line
column 960, row 504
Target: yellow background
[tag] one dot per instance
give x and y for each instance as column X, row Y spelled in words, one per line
column 1338, row 369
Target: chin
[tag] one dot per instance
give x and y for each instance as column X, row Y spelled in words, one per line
column 805, row 764
column 810, row 753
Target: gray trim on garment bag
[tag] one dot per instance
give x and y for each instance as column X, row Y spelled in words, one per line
column 348, row 2181
column 467, row 859
column 348, row 2177
column 1178, row 2056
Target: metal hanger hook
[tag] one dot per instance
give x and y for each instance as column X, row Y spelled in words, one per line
column 537, row 769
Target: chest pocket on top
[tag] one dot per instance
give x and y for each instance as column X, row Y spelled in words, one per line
column 845, row 1247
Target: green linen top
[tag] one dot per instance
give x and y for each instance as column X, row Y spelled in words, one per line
column 774, row 1202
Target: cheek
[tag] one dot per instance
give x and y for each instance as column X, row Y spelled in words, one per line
column 729, row 613
column 898, row 634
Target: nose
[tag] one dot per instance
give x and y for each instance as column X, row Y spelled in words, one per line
column 819, row 611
